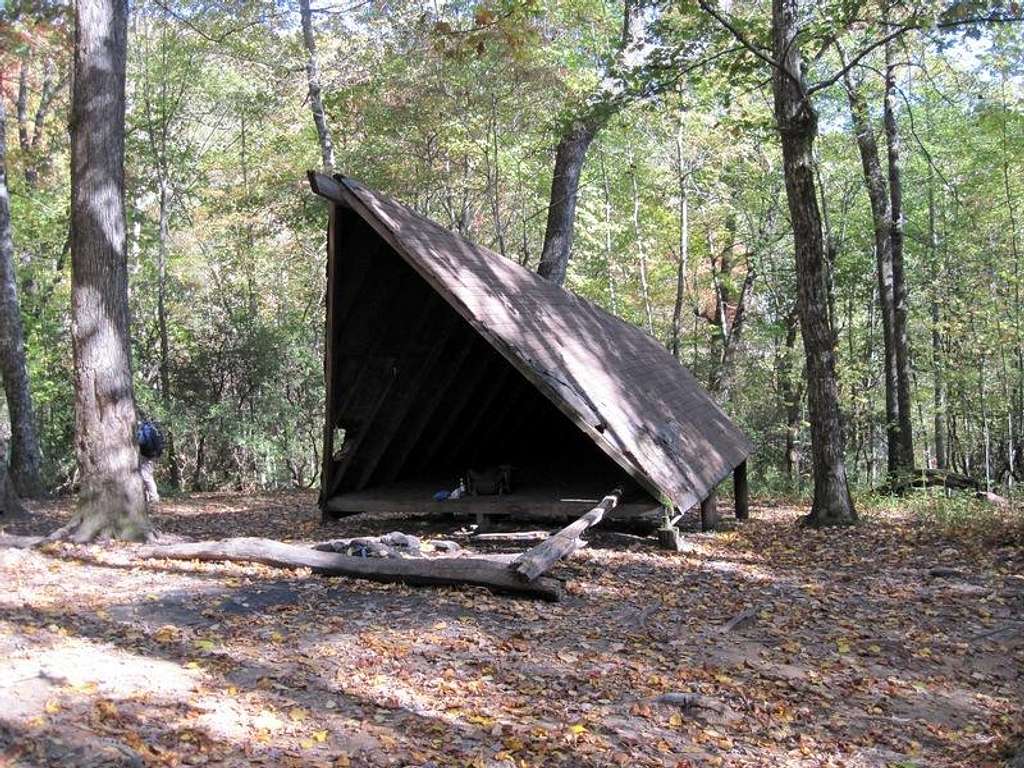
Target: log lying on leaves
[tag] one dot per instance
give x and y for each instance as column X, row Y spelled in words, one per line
column 10, row 541
column 933, row 478
column 532, row 563
column 992, row 498
column 419, row 571
column 528, row 537
column 941, row 478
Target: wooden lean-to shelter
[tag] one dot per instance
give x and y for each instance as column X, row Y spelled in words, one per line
column 441, row 356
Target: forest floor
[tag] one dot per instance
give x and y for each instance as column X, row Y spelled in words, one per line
column 855, row 651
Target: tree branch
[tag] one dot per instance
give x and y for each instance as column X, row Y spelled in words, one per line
column 740, row 37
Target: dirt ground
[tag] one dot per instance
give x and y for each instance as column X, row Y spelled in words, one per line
column 853, row 651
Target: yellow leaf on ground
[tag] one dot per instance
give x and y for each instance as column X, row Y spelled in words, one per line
column 166, row 634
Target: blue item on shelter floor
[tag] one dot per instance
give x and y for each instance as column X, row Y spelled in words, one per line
column 441, row 496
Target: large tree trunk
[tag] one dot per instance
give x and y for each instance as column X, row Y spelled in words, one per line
column 798, row 125
column 571, row 154
column 881, row 217
column 111, row 500
column 316, row 104
column 901, row 342
column 25, row 455
column 565, row 183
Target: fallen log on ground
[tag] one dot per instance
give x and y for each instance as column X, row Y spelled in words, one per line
column 932, row 478
column 941, row 478
column 992, row 498
column 509, row 536
column 419, row 571
column 532, row 563
column 10, row 541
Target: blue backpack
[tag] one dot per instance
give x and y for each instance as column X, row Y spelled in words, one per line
column 151, row 440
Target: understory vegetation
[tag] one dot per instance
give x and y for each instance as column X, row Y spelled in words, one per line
column 681, row 224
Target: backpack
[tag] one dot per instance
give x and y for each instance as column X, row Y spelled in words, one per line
column 151, row 440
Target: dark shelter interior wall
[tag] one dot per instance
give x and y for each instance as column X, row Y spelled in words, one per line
column 421, row 397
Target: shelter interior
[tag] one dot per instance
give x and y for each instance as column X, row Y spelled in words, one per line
column 416, row 397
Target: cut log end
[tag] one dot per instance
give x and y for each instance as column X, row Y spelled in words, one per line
column 532, row 563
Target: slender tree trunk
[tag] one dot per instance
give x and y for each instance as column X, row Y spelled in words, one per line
column 881, row 217
column 641, row 252
column 986, row 434
column 1015, row 251
column 798, row 125
column 684, row 247
column 25, row 456
column 792, row 399
column 316, row 104
column 869, row 354
column 22, row 106
column 609, row 256
column 31, row 142
column 164, row 234
column 494, row 177
column 197, row 470
column 901, row 341
column 111, row 500
column 938, row 379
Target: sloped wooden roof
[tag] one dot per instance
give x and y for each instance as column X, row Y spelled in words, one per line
column 618, row 384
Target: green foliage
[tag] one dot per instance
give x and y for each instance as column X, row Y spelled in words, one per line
column 456, row 110
column 957, row 515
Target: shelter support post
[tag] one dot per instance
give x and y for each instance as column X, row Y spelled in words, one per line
column 741, row 491
column 709, row 511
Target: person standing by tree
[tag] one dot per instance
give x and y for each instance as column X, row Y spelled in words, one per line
column 151, row 448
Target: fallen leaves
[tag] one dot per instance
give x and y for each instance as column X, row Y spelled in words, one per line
column 851, row 649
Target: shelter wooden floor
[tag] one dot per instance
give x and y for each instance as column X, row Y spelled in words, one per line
column 535, row 502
